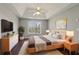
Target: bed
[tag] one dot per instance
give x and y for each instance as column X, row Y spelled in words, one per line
column 45, row 42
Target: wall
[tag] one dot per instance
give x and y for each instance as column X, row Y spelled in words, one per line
column 24, row 22
column 72, row 16
column 7, row 14
column 0, row 29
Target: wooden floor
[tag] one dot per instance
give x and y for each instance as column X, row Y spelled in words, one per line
column 16, row 49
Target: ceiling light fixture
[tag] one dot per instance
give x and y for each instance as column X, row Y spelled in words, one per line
column 37, row 11
column 38, row 8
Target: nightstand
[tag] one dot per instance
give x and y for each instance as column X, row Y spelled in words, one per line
column 71, row 46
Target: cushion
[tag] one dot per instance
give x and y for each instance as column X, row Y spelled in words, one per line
column 57, row 34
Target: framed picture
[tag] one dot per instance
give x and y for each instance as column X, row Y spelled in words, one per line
column 61, row 24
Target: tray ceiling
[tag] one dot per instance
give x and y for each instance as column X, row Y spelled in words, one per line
column 47, row 10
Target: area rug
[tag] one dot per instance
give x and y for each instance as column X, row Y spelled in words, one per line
column 53, row 52
column 23, row 49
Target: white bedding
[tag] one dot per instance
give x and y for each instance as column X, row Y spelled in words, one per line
column 39, row 44
column 53, row 39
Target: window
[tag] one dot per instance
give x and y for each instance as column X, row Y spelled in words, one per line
column 34, row 27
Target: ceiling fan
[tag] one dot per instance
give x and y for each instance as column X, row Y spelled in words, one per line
column 38, row 11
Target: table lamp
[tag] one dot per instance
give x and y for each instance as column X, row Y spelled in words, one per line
column 70, row 35
column 47, row 32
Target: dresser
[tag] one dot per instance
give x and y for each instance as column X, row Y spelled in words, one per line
column 7, row 43
column 0, row 45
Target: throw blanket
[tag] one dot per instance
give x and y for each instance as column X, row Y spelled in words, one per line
column 40, row 44
column 48, row 42
column 31, row 43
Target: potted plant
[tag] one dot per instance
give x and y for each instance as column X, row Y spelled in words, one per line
column 21, row 31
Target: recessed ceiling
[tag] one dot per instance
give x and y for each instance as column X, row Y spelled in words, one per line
column 26, row 10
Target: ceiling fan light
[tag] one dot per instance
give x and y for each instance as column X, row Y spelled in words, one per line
column 38, row 8
column 37, row 13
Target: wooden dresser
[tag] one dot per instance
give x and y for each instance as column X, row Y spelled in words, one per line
column 0, row 45
column 7, row 43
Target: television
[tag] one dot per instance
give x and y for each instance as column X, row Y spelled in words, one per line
column 6, row 26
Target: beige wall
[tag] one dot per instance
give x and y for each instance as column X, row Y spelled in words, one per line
column 7, row 14
column 72, row 16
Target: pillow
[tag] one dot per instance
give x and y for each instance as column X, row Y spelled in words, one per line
column 56, row 35
column 59, row 36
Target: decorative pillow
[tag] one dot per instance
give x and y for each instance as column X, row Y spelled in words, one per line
column 57, row 34
column 54, row 35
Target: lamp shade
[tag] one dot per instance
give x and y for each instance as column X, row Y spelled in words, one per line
column 70, row 33
column 47, row 31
